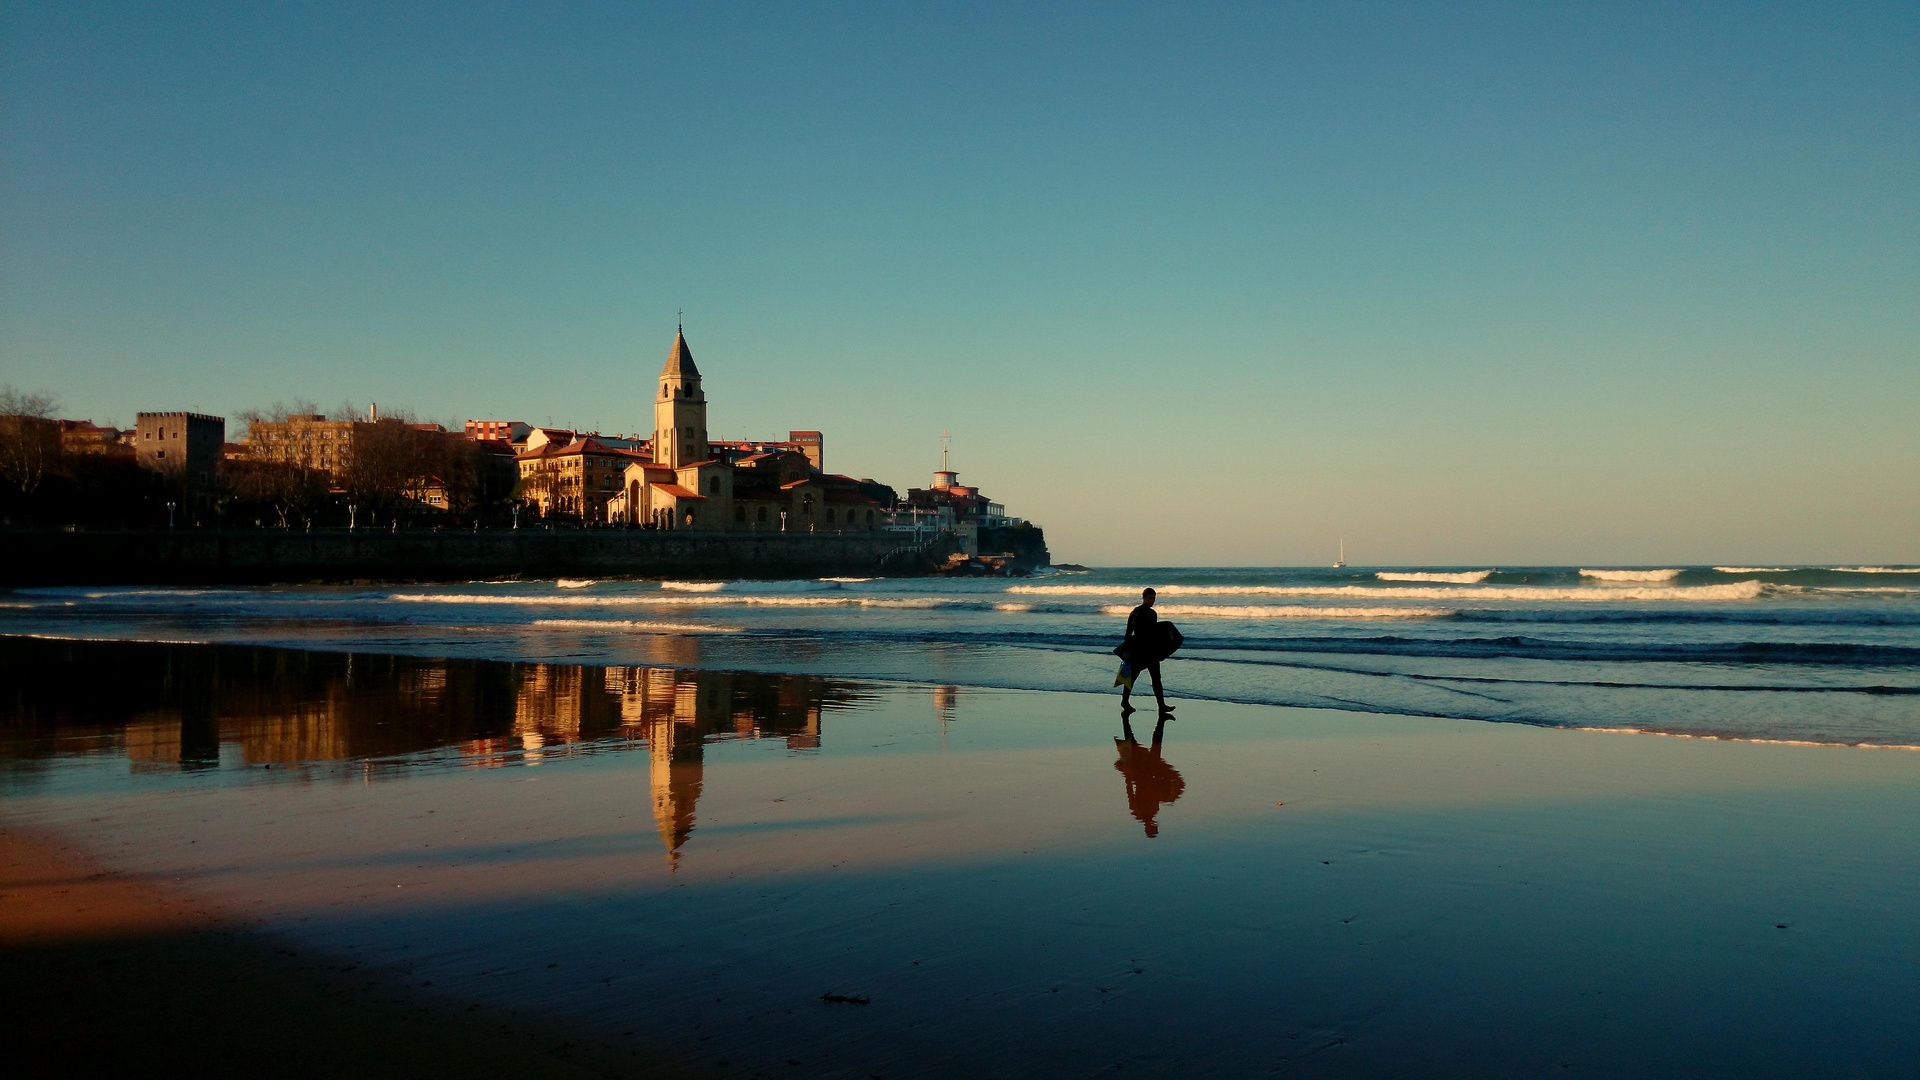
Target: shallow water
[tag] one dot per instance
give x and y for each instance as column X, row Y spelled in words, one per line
column 1014, row 883
column 1764, row 653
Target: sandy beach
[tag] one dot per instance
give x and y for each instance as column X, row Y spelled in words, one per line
column 919, row 881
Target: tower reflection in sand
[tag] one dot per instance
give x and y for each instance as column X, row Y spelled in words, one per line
column 193, row 707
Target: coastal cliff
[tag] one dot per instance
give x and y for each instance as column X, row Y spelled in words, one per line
column 1024, row 546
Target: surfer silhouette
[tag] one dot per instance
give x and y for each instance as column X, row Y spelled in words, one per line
column 1151, row 782
column 1147, row 642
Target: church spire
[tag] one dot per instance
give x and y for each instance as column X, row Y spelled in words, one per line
column 680, row 359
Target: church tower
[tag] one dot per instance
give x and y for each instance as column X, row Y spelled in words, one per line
column 680, row 410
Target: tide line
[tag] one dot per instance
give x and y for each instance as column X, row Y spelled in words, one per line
column 1292, row 611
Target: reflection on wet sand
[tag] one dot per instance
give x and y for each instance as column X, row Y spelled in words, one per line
column 1151, row 782
column 198, row 707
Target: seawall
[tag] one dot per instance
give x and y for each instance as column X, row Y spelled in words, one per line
column 268, row 556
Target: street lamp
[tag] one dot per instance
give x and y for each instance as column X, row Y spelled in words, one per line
column 353, row 510
column 170, row 507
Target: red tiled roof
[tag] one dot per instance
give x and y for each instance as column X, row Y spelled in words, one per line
column 587, row 445
column 796, row 483
column 676, row 491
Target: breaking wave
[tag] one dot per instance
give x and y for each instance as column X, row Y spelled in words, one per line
column 798, row 586
column 1739, row 590
column 1473, row 577
column 1292, row 611
column 696, row 600
column 1540, row 648
column 1755, row 569
column 639, row 625
column 1876, row 570
column 575, row 583
column 1631, row 575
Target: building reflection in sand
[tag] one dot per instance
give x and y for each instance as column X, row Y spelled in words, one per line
column 171, row 707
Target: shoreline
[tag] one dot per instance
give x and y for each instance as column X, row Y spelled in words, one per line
column 425, row 652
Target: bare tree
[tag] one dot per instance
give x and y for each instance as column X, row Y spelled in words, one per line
column 289, row 489
column 392, row 463
column 286, row 466
column 29, row 437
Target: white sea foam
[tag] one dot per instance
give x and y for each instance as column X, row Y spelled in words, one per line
column 1754, row 569
column 640, row 625
column 114, row 594
column 1876, row 570
column 575, row 583
column 848, row 580
column 1472, row 577
column 796, row 586
column 1835, row 745
column 1737, row 590
column 1290, row 611
column 691, row 600
column 1631, row 575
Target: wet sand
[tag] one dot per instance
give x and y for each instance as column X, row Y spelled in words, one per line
column 109, row 974
column 917, row 881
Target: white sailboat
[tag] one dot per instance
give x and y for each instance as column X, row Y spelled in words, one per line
column 1342, row 560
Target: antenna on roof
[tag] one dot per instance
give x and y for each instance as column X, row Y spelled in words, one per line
column 679, row 320
column 945, row 438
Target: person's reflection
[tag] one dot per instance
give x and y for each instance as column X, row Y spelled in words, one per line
column 1151, row 782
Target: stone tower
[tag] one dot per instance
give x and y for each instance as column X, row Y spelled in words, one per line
column 680, row 410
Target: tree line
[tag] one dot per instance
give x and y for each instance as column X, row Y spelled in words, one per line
column 392, row 470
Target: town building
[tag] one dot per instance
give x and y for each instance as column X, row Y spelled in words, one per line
column 512, row 432
column 948, row 506
column 306, row 440
column 182, row 445
column 83, row 438
column 681, row 478
column 575, row 479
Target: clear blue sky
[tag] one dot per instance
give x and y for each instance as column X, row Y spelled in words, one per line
column 1482, row 284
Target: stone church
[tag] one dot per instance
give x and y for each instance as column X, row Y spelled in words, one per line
column 682, row 479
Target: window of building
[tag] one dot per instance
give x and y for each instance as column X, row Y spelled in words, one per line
column 829, row 517
column 762, row 515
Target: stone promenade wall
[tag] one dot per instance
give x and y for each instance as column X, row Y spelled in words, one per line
column 194, row 557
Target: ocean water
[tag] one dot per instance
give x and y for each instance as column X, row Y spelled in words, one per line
column 1770, row 653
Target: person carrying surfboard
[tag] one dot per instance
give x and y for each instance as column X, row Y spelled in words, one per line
column 1147, row 642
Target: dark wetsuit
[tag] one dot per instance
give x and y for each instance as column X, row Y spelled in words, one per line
column 1142, row 644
